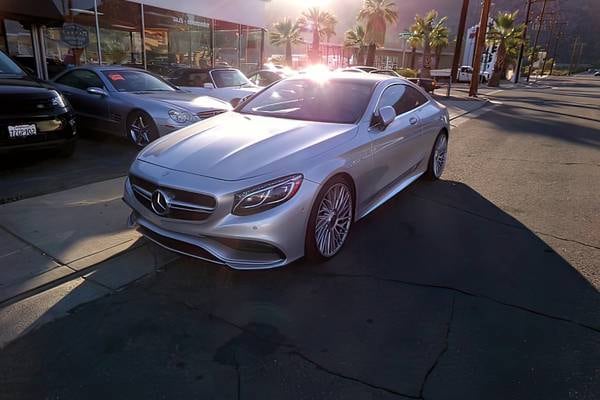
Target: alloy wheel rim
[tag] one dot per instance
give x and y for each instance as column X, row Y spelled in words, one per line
column 139, row 132
column 439, row 156
column 334, row 217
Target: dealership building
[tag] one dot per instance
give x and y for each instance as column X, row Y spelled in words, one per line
column 48, row 36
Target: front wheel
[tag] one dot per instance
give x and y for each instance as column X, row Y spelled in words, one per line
column 438, row 157
column 141, row 129
column 330, row 220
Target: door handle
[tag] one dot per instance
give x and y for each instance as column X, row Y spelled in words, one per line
column 413, row 120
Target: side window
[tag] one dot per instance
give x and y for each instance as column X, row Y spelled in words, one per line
column 81, row 79
column 403, row 98
column 392, row 97
column 197, row 79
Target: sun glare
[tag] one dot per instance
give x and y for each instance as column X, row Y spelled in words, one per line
column 312, row 3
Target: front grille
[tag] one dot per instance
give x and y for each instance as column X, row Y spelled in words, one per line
column 17, row 105
column 208, row 114
column 183, row 205
column 178, row 245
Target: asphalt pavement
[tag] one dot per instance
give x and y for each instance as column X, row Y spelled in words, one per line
column 481, row 286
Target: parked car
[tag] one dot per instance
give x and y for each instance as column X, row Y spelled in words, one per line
column 466, row 72
column 352, row 69
column 389, row 72
column 265, row 77
column 289, row 171
column 365, row 68
column 222, row 83
column 597, row 73
column 132, row 103
column 33, row 114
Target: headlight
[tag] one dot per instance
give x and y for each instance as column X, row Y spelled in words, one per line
column 268, row 195
column 181, row 117
column 58, row 100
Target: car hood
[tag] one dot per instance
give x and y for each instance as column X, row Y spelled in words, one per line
column 23, row 86
column 187, row 101
column 234, row 146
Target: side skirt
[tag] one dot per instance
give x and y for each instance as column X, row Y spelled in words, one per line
column 394, row 190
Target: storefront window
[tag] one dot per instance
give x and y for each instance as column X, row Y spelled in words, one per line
column 73, row 42
column 250, row 49
column 18, row 39
column 120, row 32
column 176, row 40
column 227, row 37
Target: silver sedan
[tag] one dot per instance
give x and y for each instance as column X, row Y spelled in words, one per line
column 288, row 172
column 132, row 102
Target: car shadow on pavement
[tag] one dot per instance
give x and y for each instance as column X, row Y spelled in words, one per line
column 438, row 294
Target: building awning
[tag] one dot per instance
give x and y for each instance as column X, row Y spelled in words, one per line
column 31, row 10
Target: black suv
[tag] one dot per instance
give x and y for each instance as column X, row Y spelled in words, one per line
column 32, row 113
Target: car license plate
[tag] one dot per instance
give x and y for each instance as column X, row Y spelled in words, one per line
column 18, row 131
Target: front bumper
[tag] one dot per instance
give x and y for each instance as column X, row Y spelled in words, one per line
column 54, row 131
column 268, row 239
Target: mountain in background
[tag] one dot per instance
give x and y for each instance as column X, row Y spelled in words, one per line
column 582, row 18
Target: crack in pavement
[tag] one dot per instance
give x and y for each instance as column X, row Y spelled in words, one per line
column 568, row 163
column 294, row 351
column 444, row 349
column 463, row 292
column 351, row 378
column 515, row 226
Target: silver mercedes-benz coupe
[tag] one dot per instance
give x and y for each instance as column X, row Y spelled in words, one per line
column 289, row 170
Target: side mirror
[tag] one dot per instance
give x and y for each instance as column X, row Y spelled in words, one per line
column 208, row 86
column 386, row 116
column 97, row 91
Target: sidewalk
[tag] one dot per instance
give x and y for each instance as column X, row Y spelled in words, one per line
column 62, row 249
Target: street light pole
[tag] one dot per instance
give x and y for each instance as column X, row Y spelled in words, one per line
column 522, row 48
column 483, row 23
column 459, row 40
column 554, row 24
column 537, row 36
column 558, row 37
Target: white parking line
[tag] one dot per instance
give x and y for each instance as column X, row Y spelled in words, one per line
column 475, row 114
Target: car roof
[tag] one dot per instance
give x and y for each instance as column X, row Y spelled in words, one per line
column 341, row 76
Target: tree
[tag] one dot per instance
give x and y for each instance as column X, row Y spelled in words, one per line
column 321, row 24
column 507, row 35
column 286, row 33
column 440, row 38
column 355, row 38
column 414, row 40
column 377, row 14
column 425, row 27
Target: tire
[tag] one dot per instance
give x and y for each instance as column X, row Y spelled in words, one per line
column 328, row 228
column 141, row 129
column 67, row 150
column 439, row 152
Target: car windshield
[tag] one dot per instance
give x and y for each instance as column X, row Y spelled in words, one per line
column 9, row 67
column 337, row 101
column 229, row 78
column 137, row 81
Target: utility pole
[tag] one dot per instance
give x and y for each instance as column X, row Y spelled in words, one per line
column 579, row 56
column 537, row 36
column 459, row 40
column 553, row 23
column 559, row 35
column 483, row 23
column 522, row 48
column 572, row 61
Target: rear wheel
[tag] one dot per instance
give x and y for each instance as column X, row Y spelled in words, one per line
column 141, row 129
column 330, row 220
column 437, row 159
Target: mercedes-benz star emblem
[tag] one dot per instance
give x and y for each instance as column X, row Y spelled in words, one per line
column 160, row 202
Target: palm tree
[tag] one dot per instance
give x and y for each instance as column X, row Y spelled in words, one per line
column 425, row 26
column 440, row 38
column 285, row 33
column 414, row 41
column 376, row 14
column 321, row 24
column 355, row 38
column 508, row 35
